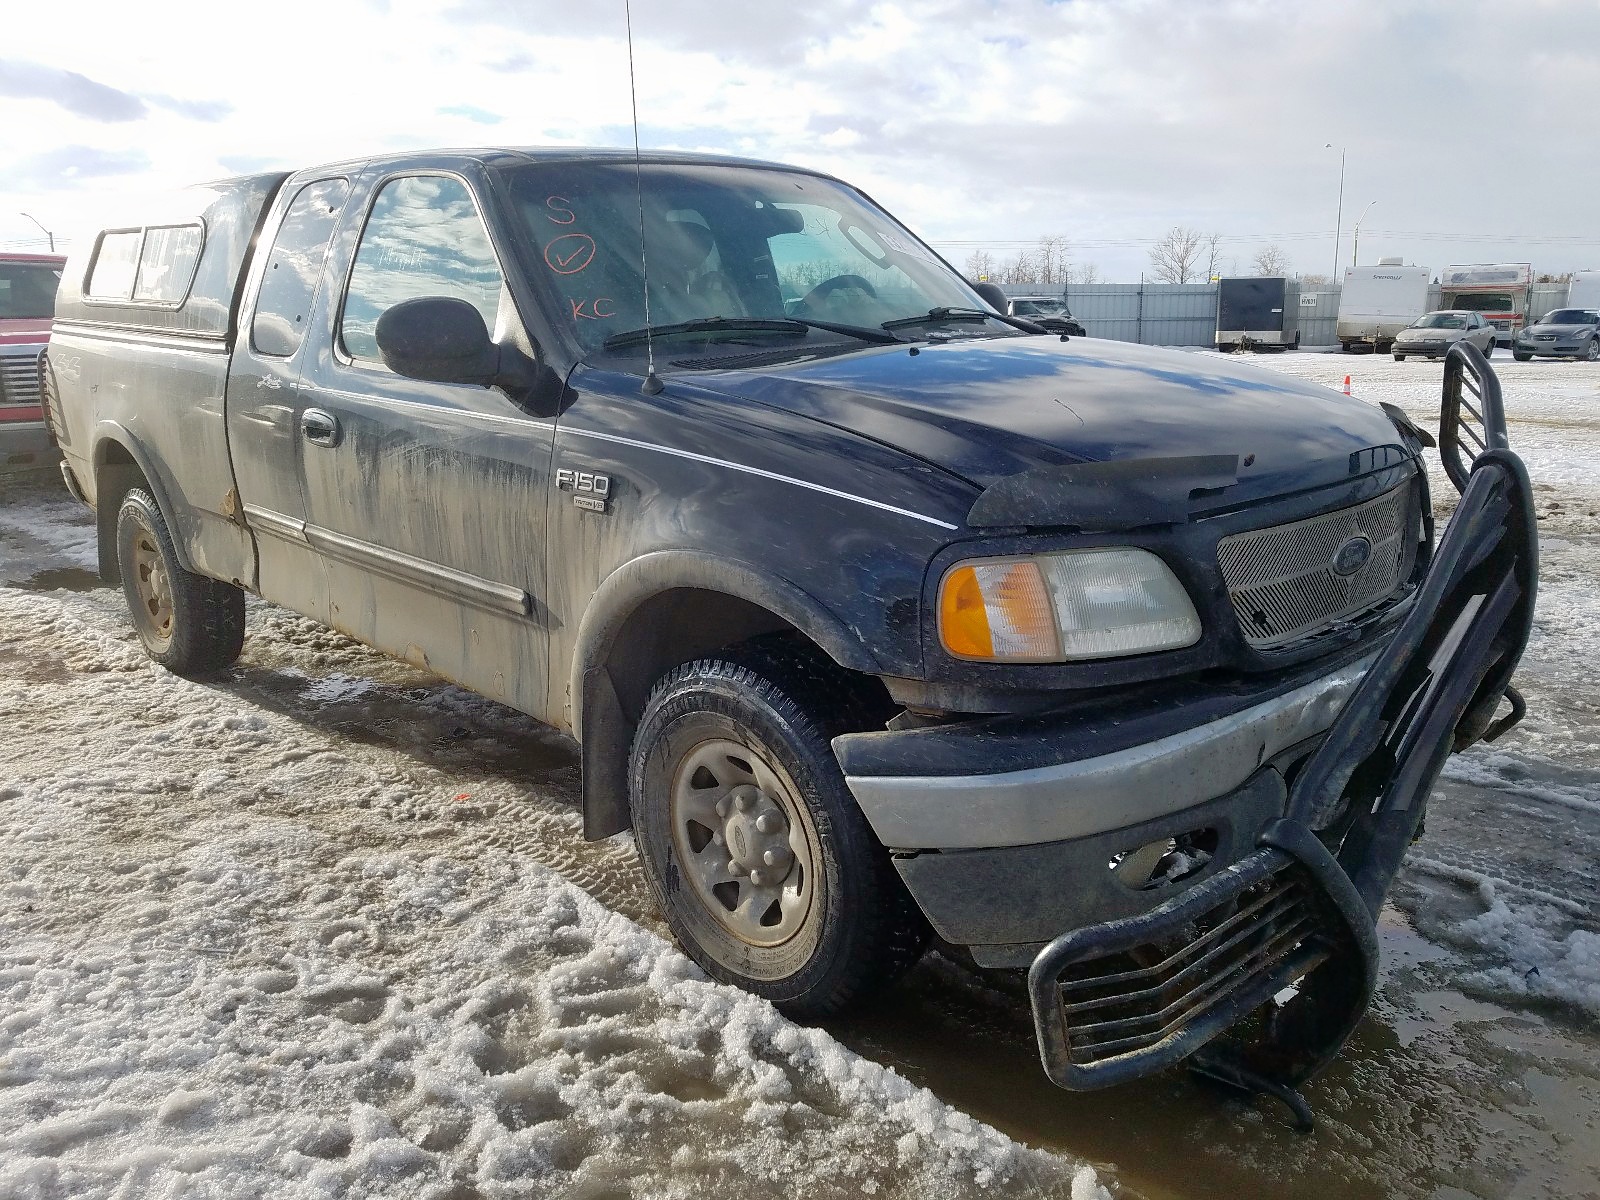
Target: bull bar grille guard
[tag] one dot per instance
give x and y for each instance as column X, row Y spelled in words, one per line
column 1126, row 998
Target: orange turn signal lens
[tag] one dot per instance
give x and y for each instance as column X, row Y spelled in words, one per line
column 997, row 610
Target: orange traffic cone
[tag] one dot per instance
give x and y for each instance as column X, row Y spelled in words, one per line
column 1347, row 385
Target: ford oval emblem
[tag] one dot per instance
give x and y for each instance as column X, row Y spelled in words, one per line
column 1352, row 556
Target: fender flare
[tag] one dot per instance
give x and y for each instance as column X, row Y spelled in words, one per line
column 600, row 721
column 106, row 432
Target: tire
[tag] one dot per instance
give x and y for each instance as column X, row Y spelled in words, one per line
column 191, row 624
column 1593, row 353
column 1521, row 357
column 740, row 740
column 1488, row 351
column 1399, row 358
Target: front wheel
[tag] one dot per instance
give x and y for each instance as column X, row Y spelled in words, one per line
column 1399, row 358
column 1593, row 353
column 1488, row 351
column 191, row 624
column 764, row 866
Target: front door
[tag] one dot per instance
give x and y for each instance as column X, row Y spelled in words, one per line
column 264, row 408
column 427, row 500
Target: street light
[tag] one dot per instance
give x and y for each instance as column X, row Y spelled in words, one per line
column 1339, row 219
column 1356, row 247
column 43, row 230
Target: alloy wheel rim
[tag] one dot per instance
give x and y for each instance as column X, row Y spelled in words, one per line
column 153, row 585
column 743, row 842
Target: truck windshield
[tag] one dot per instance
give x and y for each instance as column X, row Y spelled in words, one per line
column 1491, row 302
column 724, row 242
column 28, row 290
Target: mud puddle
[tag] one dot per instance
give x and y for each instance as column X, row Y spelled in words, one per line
column 61, row 579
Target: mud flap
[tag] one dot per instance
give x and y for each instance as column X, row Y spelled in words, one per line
column 1258, row 975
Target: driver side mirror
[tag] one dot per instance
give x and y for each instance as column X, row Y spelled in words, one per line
column 442, row 339
column 994, row 296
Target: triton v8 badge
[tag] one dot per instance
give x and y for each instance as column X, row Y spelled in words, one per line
column 589, row 490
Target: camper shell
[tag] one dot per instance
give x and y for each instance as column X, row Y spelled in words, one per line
column 1498, row 291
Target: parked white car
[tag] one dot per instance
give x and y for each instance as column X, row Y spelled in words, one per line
column 1433, row 334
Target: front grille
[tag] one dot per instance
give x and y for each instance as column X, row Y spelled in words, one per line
column 1134, row 1001
column 19, row 379
column 1282, row 580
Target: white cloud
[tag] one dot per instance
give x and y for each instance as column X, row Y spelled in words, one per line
column 1107, row 122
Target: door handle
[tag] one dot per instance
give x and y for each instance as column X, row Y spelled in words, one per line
column 320, row 428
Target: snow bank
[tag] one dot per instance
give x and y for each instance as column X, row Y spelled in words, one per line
column 241, row 957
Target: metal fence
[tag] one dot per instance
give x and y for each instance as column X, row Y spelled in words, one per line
column 1167, row 314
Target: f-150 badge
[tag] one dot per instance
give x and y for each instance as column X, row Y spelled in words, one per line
column 590, row 491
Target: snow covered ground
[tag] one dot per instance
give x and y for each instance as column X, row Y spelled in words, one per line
column 328, row 927
column 323, row 930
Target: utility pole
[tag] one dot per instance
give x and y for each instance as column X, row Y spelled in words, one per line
column 1338, row 220
column 43, row 230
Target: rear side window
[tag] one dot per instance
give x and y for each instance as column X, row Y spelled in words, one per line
column 167, row 263
column 149, row 266
column 423, row 238
column 290, row 280
column 115, row 264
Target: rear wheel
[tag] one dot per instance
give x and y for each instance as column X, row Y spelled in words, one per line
column 764, row 866
column 189, row 623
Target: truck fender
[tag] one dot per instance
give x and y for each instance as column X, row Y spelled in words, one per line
column 606, row 708
column 109, row 437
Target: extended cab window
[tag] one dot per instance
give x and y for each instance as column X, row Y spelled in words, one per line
column 167, row 263
column 423, row 238
column 290, row 279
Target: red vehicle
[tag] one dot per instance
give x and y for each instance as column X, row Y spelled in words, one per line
column 28, row 285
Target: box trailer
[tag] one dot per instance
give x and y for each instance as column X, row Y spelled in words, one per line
column 1584, row 290
column 1500, row 291
column 1376, row 303
column 1258, row 312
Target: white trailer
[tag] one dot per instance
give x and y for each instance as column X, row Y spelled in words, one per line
column 1376, row 303
column 1584, row 290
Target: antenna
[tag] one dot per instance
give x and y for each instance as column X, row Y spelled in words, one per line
column 652, row 381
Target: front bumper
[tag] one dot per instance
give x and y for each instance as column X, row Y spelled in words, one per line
column 1552, row 349
column 1422, row 347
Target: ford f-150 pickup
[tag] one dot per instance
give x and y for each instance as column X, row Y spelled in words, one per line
column 877, row 614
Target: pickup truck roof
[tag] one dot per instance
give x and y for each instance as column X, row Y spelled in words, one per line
column 228, row 212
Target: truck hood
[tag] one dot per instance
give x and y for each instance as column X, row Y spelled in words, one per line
column 24, row 331
column 990, row 409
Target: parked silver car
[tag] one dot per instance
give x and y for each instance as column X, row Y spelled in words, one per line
column 1561, row 333
column 1434, row 333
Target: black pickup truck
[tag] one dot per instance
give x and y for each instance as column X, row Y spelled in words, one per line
column 876, row 614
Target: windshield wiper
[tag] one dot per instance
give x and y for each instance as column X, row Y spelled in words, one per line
column 936, row 315
column 634, row 337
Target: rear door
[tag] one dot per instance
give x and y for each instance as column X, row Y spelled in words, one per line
column 264, row 406
column 427, row 500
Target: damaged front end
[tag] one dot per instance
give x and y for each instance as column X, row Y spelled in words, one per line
column 1258, row 974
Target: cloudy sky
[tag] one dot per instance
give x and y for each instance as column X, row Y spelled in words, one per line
column 981, row 123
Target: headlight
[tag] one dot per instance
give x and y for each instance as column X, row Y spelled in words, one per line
column 1074, row 604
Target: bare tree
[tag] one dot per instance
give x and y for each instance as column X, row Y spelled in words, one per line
column 1052, row 258
column 980, row 265
column 1213, row 254
column 1083, row 273
column 1020, row 268
column 1271, row 260
column 1176, row 257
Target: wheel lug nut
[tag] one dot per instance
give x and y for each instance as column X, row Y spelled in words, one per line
column 723, row 806
column 734, row 868
column 768, row 822
column 716, row 839
column 758, row 877
column 775, row 856
column 745, row 802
